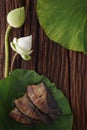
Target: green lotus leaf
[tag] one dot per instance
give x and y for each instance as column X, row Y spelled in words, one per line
column 16, row 17
column 65, row 22
column 15, row 85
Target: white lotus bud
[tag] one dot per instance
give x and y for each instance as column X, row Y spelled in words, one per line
column 16, row 17
column 23, row 46
column 25, row 42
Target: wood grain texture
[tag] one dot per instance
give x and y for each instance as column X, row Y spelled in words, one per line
column 66, row 68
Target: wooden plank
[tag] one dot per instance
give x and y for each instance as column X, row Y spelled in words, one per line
column 66, row 68
column 2, row 34
column 78, row 89
column 53, row 62
column 31, row 27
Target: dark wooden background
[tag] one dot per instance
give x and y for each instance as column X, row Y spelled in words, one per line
column 66, row 68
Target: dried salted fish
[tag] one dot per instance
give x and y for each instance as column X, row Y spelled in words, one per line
column 16, row 115
column 27, row 108
column 43, row 99
column 36, row 106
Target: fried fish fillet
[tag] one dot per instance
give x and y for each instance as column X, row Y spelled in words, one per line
column 43, row 99
column 27, row 108
column 16, row 115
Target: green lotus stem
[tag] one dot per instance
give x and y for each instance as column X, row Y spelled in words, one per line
column 7, row 51
column 12, row 63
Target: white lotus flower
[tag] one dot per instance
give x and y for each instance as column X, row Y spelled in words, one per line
column 23, row 46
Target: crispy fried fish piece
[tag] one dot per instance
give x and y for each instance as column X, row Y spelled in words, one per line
column 25, row 105
column 16, row 115
column 43, row 99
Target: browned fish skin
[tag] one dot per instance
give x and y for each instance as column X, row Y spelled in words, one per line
column 43, row 100
column 37, row 105
column 16, row 115
column 27, row 108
